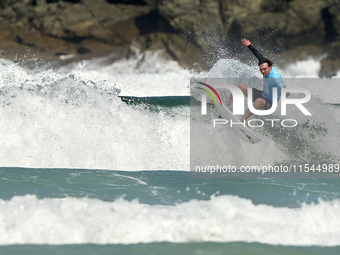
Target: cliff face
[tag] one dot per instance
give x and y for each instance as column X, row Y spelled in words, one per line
column 194, row 32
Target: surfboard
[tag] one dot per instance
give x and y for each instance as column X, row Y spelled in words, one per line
column 237, row 126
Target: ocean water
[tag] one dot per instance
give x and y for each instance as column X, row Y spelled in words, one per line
column 85, row 169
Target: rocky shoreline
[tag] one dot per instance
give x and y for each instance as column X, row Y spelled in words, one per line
column 194, row 33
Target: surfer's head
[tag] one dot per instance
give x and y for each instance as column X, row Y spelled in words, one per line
column 265, row 66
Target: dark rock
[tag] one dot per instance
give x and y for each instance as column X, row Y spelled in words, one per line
column 331, row 64
column 333, row 49
column 101, row 49
column 329, row 67
column 299, row 53
column 334, row 11
column 192, row 32
column 83, row 50
column 175, row 48
column 73, row 18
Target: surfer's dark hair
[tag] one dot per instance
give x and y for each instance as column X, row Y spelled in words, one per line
column 266, row 60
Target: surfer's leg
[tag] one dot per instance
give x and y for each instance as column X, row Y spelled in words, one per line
column 256, row 94
column 244, row 90
column 260, row 102
column 268, row 104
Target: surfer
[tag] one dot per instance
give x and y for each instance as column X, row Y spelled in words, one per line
column 271, row 79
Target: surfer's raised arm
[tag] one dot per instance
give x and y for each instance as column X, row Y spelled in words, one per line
column 248, row 44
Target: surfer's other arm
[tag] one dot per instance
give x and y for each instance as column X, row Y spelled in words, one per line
column 248, row 44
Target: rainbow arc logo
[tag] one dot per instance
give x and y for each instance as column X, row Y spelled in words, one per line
column 209, row 93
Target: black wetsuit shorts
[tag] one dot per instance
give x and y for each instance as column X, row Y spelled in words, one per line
column 258, row 94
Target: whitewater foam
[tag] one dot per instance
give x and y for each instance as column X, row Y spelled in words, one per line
column 220, row 219
column 76, row 120
column 73, row 117
column 308, row 68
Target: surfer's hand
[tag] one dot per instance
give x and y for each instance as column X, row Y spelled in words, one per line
column 245, row 42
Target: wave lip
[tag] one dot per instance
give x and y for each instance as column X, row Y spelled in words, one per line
column 28, row 220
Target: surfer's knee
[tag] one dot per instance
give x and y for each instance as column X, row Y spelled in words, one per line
column 244, row 89
column 260, row 102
